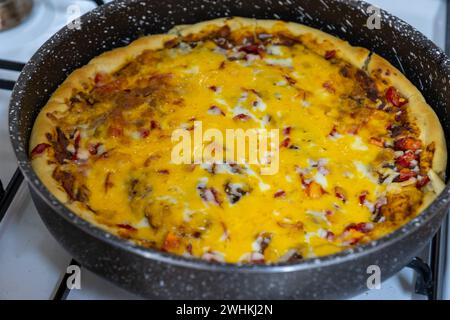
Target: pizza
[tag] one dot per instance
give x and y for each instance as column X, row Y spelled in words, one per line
column 361, row 152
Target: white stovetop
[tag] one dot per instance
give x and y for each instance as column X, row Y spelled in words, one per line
column 32, row 262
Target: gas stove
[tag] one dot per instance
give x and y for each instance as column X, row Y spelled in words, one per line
column 34, row 265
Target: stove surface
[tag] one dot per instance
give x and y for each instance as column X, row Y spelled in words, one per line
column 32, row 262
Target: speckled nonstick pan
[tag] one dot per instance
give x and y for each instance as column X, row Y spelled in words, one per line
column 154, row 274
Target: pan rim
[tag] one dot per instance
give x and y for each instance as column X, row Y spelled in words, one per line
column 439, row 204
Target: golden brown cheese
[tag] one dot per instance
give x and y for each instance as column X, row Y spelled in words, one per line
column 347, row 148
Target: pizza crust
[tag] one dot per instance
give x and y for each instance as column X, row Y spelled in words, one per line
column 205, row 27
column 109, row 62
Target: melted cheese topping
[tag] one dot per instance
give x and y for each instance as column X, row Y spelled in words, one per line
column 328, row 194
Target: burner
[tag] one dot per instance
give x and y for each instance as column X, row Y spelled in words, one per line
column 13, row 12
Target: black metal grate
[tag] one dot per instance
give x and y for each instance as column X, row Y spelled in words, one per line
column 429, row 276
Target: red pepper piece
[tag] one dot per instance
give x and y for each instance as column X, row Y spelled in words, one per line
column 40, row 148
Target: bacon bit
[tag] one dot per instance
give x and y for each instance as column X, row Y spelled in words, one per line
column 252, row 49
column 285, row 143
column 93, row 148
column 104, row 155
column 328, row 85
column 189, row 167
column 144, row 133
column 287, row 131
column 381, row 201
column 60, row 147
column 189, row 248
column 213, row 256
column 100, row 79
column 362, row 227
column 377, row 141
column 314, row 190
column 406, row 159
column 377, row 215
column 340, row 194
column 280, row 194
column 76, row 144
column 264, row 36
column 301, row 94
column 126, row 227
column 163, row 171
column 77, row 140
column 333, row 132
column 154, row 125
column 262, row 241
column 362, row 197
column 405, row 175
column 171, row 242
column 213, row 88
column 209, row 194
column 197, row 234
column 303, row 181
column 352, row 241
column 216, row 110
column 242, row 117
column 330, row 236
column 422, row 182
column 115, row 131
column 405, row 144
column 108, row 184
column 393, row 96
column 330, row 54
column 40, row 148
